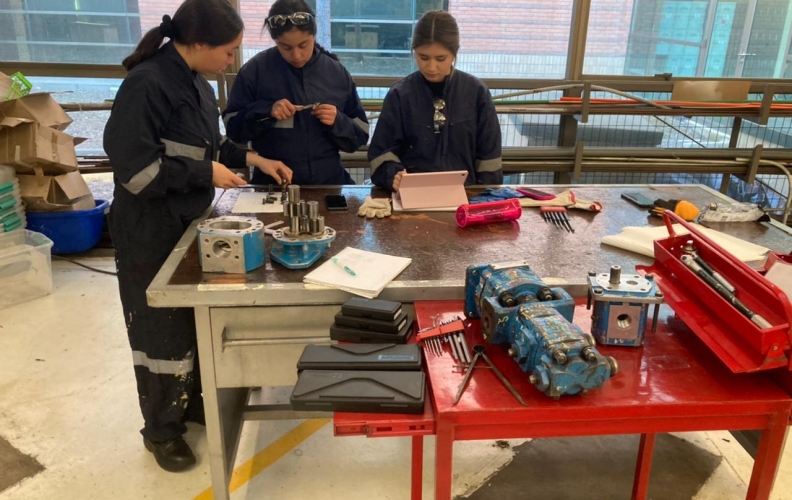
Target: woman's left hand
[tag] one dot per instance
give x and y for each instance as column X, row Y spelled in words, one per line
column 326, row 113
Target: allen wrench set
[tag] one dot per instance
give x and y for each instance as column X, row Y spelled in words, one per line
column 451, row 332
column 558, row 216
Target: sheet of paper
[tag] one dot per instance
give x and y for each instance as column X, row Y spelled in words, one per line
column 252, row 202
column 781, row 276
column 641, row 240
column 373, row 271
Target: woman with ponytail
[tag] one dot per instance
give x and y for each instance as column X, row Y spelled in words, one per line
column 264, row 104
column 438, row 118
column 164, row 144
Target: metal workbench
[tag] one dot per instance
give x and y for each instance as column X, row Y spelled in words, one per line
column 253, row 327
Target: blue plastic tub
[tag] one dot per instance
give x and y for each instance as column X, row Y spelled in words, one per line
column 70, row 232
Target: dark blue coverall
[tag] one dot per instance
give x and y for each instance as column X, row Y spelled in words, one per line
column 161, row 138
column 302, row 142
column 405, row 138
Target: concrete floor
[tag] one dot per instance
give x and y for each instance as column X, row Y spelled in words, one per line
column 67, row 399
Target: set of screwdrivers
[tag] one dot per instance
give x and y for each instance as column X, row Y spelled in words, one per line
column 558, row 216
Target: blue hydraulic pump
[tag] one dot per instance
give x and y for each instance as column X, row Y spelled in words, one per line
column 519, row 310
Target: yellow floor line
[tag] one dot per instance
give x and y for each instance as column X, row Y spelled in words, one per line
column 269, row 455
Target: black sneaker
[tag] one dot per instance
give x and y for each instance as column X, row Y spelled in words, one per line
column 173, row 456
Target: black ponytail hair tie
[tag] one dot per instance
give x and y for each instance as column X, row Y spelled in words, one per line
column 166, row 27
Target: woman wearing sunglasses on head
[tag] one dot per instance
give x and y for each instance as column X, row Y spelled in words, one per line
column 271, row 101
column 163, row 140
column 438, row 118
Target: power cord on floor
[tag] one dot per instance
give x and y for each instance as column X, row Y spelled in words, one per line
column 58, row 257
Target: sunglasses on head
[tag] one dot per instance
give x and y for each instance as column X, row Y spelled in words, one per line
column 297, row 19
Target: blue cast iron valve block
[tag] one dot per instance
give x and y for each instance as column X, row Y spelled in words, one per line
column 231, row 244
column 519, row 310
column 621, row 306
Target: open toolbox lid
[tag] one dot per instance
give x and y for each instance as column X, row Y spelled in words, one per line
column 742, row 345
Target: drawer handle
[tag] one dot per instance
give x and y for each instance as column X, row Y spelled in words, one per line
column 275, row 341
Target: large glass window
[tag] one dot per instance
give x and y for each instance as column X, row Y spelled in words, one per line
column 370, row 37
column 86, row 124
column 76, row 31
column 527, row 39
column 696, row 38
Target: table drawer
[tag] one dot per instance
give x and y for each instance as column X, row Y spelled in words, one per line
column 260, row 346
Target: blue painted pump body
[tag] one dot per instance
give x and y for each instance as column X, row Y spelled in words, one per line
column 299, row 254
column 254, row 250
column 517, row 309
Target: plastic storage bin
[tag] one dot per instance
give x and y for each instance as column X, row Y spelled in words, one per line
column 12, row 213
column 25, row 267
column 70, row 232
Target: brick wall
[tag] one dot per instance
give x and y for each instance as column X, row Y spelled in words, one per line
column 609, row 28
column 514, row 26
column 254, row 12
column 540, row 27
column 151, row 12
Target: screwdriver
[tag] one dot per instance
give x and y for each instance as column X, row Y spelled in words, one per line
column 690, row 262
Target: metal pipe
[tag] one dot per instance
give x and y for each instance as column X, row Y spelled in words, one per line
column 788, row 205
column 314, row 223
column 454, row 352
column 615, row 275
column 580, row 85
column 313, row 210
column 294, row 193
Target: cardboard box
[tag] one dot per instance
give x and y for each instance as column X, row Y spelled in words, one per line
column 58, row 193
column 710, row 90
column 40, row 107
column 5, row 85
column 27, row 146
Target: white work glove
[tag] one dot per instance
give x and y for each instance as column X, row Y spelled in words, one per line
column 375, row 207
column 565, row 199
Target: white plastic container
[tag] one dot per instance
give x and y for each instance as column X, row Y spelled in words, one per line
column 25, row 267
column 7, row 174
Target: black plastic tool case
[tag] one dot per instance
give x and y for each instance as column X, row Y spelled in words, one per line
column 359, row 391
column 361, row 357
column 347, row 334
column 384, row 310
column 375, row 325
